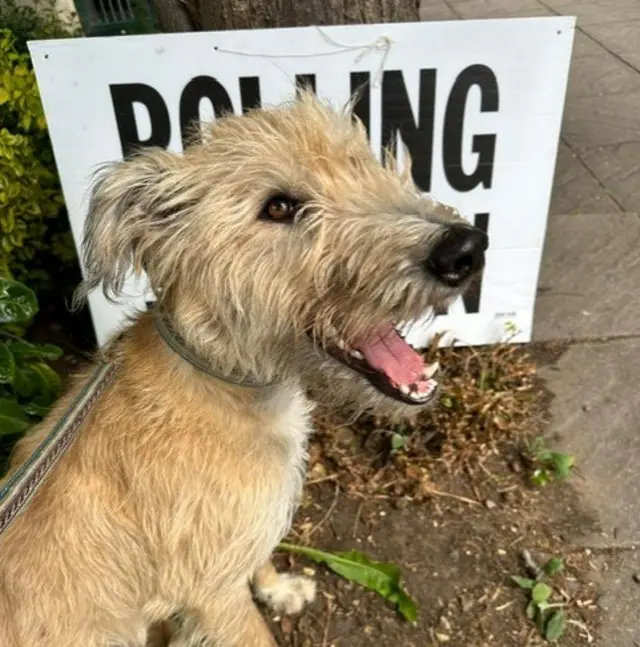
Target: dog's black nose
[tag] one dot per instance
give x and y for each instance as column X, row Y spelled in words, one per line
column 458, row 254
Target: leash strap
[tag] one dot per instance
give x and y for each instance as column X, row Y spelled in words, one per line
column 18, row 490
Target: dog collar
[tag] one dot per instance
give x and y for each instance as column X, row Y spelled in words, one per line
column 177, row 345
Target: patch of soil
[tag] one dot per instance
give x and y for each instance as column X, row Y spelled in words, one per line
column 450, row 500
column 457, row 558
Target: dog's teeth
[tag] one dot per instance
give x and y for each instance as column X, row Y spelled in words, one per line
column 357, row 354
column 431, row 370
column 404, row 389
column 417, row 396
column 341, row 345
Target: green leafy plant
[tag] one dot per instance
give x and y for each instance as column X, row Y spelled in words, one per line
column 381, row 577
column 548, row 616
column 28, row 384
column 549, row 465
column 40, row 19
column 33, row 219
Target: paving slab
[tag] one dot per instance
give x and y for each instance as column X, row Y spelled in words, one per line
column 585, row 46
column 622, row 38
column 596, row 11
column 588, row 286
column 602, row 120
column 479, row 9
column 436, row 10
column 618, row 169
column 621, row 600
column 576, row 190
column 596, row 413
column 597, row 75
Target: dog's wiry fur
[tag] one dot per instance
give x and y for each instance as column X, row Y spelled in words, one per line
column 180, row 485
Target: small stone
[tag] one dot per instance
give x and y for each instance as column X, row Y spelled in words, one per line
column 442, row 638
column 508, row 496
column 502, row 552
column 466, row 603
column 489, row 504
column 287, row 625
column 400, row 504
column 445, row 624
column 346, row 437
column 515, row 467
column 636, row 578
column 586, row 408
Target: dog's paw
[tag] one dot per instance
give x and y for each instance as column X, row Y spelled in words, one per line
column 288, row 594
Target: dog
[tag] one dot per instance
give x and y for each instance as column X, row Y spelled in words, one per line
column 277, row 246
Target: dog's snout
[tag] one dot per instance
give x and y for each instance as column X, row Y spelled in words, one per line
column 458, row 254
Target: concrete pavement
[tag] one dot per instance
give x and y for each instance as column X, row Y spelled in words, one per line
column 589, row 290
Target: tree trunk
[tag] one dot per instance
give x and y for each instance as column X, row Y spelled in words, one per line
column 174, row 15
column 258, row 14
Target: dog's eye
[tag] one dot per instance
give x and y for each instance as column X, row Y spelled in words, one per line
column 280, row 209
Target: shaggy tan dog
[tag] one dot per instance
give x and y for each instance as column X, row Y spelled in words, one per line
column 275, row 245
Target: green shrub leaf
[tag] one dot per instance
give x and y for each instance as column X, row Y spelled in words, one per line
column 531, row 610
column 541, row 592
column 25, row 350
column 563, row 464
column 555, row 627
column 553, row 566
column 50, row 380
column 523, row 582
column 7, row 365
column 25, row 384
column 18, row 303
column 381, row 577
column 13, row 420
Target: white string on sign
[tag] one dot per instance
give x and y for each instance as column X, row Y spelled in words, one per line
column 380, row 44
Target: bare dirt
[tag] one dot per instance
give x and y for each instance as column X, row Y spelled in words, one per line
column 457, row 524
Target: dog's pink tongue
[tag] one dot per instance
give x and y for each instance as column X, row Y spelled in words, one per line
column 386, row 351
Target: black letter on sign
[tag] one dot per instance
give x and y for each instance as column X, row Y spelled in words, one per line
column 361, row 90
column 199, row 88
column 250, row 92
column 471, row 298
column 397, row 116
column 305, row 82
column 123, row 97
column 483, row 145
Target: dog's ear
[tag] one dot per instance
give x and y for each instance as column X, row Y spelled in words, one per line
column 134, row 208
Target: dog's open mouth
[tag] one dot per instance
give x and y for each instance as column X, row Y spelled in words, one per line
column 391, row 365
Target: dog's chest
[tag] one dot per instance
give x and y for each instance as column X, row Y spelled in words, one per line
column 285, row 447
column 287, row 439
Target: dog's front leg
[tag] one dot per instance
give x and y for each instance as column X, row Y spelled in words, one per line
column 230, row 620
column 283, row 592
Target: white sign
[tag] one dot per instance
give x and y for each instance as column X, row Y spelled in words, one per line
column 478, row 103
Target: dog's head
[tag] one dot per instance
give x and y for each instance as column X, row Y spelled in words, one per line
column 279, row 241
